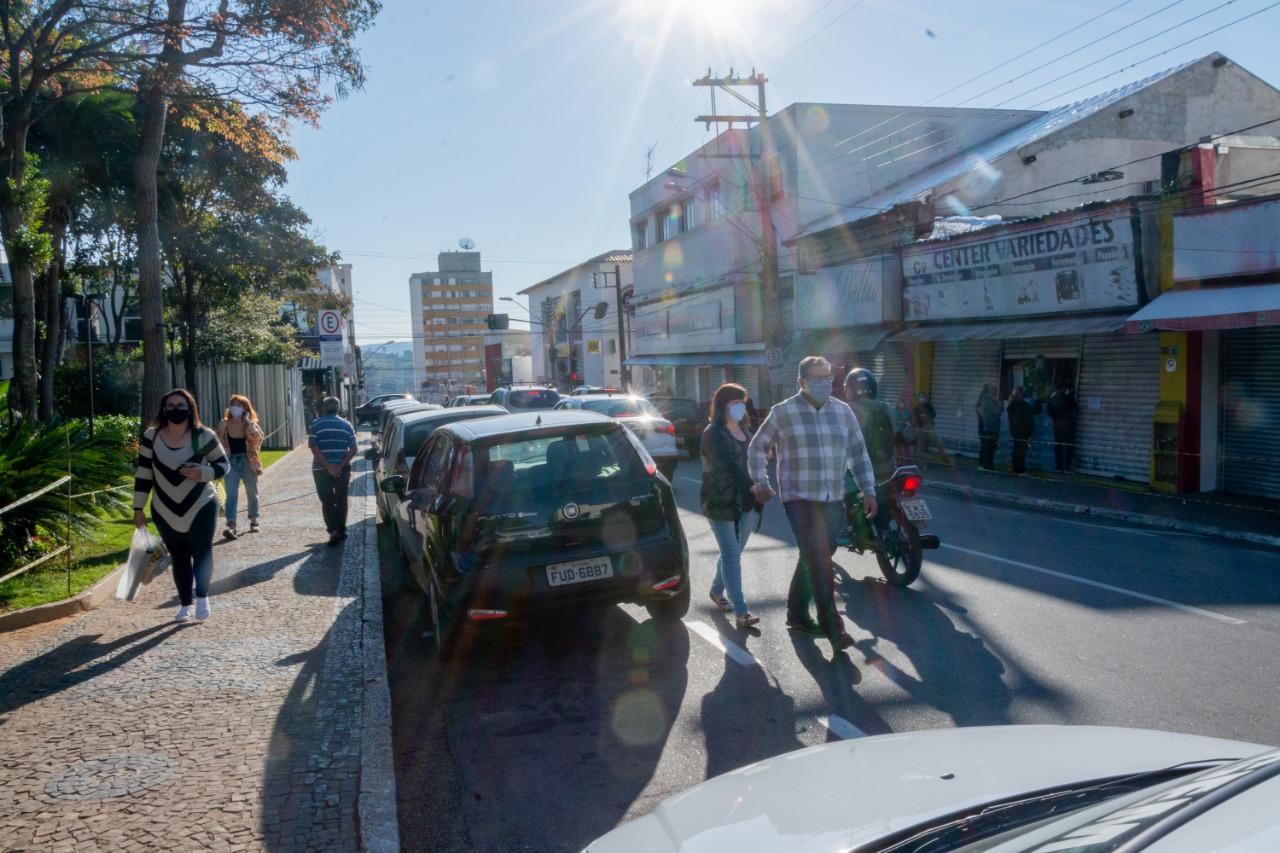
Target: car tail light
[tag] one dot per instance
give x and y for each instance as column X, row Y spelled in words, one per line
column 485, row 615
column 669, row 583
column 668, row 428
column 911, row 484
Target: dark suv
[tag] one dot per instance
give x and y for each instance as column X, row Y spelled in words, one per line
column 368, row 412
column 685, row 415
column 518, row 514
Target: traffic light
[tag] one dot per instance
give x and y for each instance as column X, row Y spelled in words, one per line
column 497, row 322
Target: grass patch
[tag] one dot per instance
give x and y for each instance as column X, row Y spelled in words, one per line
column 93, row 559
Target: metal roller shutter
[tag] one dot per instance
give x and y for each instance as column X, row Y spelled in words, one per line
column 959, row 370
column 1251, row 397
column 687, row 382
column 888, row 363
column 749, row 377
column 1060, row 346
column 1118, row 390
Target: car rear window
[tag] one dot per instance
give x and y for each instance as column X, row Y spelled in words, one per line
column 539, row 399
column 556, row 462
column 621, row 408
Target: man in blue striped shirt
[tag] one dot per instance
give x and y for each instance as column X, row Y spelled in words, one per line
column 332, row 440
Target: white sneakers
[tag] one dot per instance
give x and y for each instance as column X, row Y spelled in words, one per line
column 201, row 611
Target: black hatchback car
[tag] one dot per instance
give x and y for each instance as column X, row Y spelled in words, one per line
column 520, row 514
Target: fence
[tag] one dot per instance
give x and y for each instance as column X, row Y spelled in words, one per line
column 276, row 392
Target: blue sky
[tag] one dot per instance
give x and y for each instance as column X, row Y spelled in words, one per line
column 523, row 124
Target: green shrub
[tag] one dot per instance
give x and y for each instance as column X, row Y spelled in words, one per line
column 117, row 387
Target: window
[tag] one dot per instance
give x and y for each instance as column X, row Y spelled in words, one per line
column 686, row 215
column 661, row 228
column 715, row 204
column 433, row 469
column 550, row 465
column 638, row 234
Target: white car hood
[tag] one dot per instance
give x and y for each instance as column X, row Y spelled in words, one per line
column 839, row 795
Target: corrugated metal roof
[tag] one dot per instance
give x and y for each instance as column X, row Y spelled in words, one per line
column 613, row 256
column 917, row 186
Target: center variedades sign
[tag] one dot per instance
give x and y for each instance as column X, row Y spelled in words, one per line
column 1069, row 263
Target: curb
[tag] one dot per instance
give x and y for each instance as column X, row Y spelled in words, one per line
column 1089, row 510
column 376, row 806
column 92, row 598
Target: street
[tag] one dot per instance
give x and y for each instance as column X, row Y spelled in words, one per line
column 556, row 736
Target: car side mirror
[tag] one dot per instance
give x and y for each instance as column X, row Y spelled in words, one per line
column 393, row 485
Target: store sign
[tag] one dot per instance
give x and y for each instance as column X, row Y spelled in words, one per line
column 698, row 318
column 331, row 352
column 1066, row 264
column 650, row 325
column 1235, row 240
column 834, row 297
column 593, row 346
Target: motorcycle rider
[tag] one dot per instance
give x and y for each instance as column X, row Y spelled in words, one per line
column 876, row 419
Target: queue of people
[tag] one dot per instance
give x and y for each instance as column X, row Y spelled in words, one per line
column 179, row 460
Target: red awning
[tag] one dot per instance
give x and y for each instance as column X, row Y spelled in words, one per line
column 1209, row 308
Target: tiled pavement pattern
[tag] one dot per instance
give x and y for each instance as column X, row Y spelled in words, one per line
column 121, row 730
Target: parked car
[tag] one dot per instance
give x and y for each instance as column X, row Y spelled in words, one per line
column 517, row 516
column 639, row 415
column 525, row 398
column 469, row 400
column 405, row 436
column 401, row 407
column 592, row 389
column 687, row 418
column 1013, row 789
column 368, row 411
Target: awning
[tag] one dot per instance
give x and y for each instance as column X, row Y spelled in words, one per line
column 1210, row 308
column 1010, row 329
column 701, row 359
column 823, row 341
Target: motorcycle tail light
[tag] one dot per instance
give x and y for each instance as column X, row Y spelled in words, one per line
column 911, row 484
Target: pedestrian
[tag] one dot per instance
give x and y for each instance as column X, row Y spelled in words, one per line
column 1065, row 414
column 925, row 416
column 815, row 438
column 178, row 460
column 988, row 410
column 241, row 437
column 726, row 497
column 904, row 432
column 1022, row 426
column 332, row 440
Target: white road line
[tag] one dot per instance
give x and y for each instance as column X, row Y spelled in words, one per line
column 690, row 480
column 1229, row 620
column 840, row 727
column 736, row 652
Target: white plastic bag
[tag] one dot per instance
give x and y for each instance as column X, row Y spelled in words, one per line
column 145, row 552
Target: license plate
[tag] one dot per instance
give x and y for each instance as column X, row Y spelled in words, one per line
column 579, row 571
column 916, row 510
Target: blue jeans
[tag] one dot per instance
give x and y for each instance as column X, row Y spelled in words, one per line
column 729, row 566
column 241, row 471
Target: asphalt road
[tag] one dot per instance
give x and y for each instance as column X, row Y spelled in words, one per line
column 553, row 738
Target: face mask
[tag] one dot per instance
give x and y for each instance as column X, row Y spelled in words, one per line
column 177, row 416
column 818, row 389
column 737, row 411
column 237, row 411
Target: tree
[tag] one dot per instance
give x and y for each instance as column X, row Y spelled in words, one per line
column 49, row 49
column 273, row 54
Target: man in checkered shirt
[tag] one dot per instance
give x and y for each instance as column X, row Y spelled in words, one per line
column 816, row 438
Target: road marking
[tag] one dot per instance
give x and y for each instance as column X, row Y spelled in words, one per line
column 736, row 652
column 840, row 727
column 690, row 480
column 1229, row 620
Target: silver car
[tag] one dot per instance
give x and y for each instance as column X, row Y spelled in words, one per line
column 640, row 416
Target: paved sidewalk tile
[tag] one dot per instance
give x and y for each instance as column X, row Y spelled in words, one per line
column 122, row 730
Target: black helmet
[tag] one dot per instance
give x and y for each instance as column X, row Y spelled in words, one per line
column 860, row 383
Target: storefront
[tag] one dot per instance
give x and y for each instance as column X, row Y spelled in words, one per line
column 1038, row 305
column 1219, row 329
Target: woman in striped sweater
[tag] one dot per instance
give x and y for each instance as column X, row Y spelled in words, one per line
column 178, row 460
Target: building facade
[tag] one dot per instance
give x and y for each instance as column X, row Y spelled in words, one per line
column 450, row 307
column 576, row 341
column 508, row 357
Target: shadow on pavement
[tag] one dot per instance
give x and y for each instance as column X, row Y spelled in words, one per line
column 537, row 739
column 74, row 662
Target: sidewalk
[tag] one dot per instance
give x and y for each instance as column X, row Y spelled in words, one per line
column 1232, row 517
column 266, row 728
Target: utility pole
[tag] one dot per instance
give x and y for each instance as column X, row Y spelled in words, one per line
column 775, row 336
column 624, row 372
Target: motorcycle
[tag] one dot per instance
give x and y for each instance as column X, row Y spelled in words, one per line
column 899, row 545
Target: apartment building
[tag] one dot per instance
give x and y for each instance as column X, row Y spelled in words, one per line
column 449, row 310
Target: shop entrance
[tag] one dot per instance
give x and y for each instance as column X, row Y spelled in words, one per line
column 1039, row 375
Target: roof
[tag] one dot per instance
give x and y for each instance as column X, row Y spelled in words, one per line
column 920, row 184
column 437, row 414
column 613, row 256
column 524, row 421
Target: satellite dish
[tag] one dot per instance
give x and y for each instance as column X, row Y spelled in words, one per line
column 467, row 244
